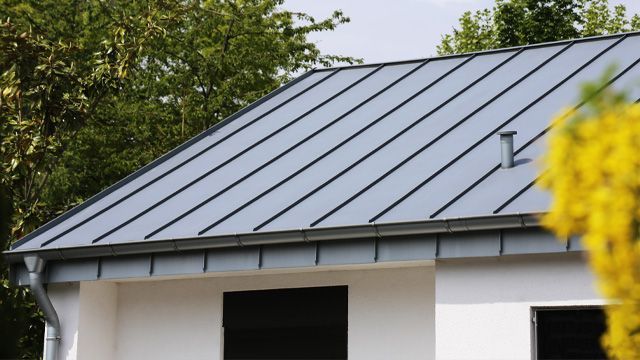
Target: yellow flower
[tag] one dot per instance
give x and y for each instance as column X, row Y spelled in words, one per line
column 593, row 172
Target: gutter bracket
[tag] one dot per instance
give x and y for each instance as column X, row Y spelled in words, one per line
column 447, row 225
column 376, row 240
column 60, row 253
column 237, row 237
column 304, row 236
column 113, row 252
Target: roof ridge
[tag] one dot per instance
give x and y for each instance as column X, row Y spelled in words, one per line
column 485, row 52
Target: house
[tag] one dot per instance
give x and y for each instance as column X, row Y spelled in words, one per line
column 379, row 211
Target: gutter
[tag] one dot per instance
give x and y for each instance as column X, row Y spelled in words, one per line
column 35, row 266
column 406, row 228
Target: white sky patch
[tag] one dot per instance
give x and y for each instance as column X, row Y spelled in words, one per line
column 387, row 30
column 383, row 30
column 449, row 2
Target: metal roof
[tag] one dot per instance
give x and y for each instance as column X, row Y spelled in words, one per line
column 384, row 143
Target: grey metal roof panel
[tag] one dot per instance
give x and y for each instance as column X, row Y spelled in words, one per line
column 180, row 158
column 490, row 194
column 298, row 159
column 510, row 190
column 531, row 200
column 237, row 171
column 432, row 127
column 485, row 156
column 445, row 151
column 191, row 170
column 359, row 146
column 398, row 141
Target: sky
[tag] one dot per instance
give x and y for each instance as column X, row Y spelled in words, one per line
column 387, row 30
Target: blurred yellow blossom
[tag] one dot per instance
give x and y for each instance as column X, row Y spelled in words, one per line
column 593, row 173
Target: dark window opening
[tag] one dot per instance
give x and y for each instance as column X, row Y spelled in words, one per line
column 569, row 333
column 303, row 323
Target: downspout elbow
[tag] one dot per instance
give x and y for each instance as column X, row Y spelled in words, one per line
column 35, row 266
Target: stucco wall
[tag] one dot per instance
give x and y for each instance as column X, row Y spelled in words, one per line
column 391, row 313
column 87, row 313
column 66, row 300
column 483, row 306
column 462, row 309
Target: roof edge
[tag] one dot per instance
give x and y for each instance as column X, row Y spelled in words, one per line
column 483, row 52
column 380, row 230
column 144, row 169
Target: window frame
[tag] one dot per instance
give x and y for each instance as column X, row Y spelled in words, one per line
column 343, row 286
column 533, row 320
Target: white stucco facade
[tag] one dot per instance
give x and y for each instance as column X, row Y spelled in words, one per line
column 456, row 309
column 391, row 314
column 483, row 306
column 87, row 312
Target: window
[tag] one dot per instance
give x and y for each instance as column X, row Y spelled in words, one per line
column 302, row 323
column 568, row 333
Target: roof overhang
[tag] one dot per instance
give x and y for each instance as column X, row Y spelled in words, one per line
column 372, row 246
column 371, row 230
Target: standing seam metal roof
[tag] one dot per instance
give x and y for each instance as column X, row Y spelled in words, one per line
column 345, row 146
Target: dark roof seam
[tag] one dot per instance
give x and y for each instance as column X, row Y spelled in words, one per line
column 491, row 133
column 529, row 142
column 473, row 113
column 487, row 52
column 186, row 161
column 386, row 142
column 520, row 192
column 171, row 153
column 327, row 153
column 283, row 153
column 231, row 159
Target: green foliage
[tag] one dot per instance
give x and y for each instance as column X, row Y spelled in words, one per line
column 522, row 22
column 91, row 90
column 44, row 100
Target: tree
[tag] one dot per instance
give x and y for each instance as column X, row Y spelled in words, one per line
column 217, row 57
column 593, row 164
column 44, row 99
column 132, row 80
column 522, row 22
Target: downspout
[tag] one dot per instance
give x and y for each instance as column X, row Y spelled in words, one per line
column 35, row 266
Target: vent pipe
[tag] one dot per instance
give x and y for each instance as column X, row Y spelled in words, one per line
column 506, row 148
column 35, row 266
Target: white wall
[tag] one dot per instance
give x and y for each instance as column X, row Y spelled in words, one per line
column 98, row 310
column 462, row 309
column 66, row 300
column 390, row 313
column 483, row 306
column 87, row 313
